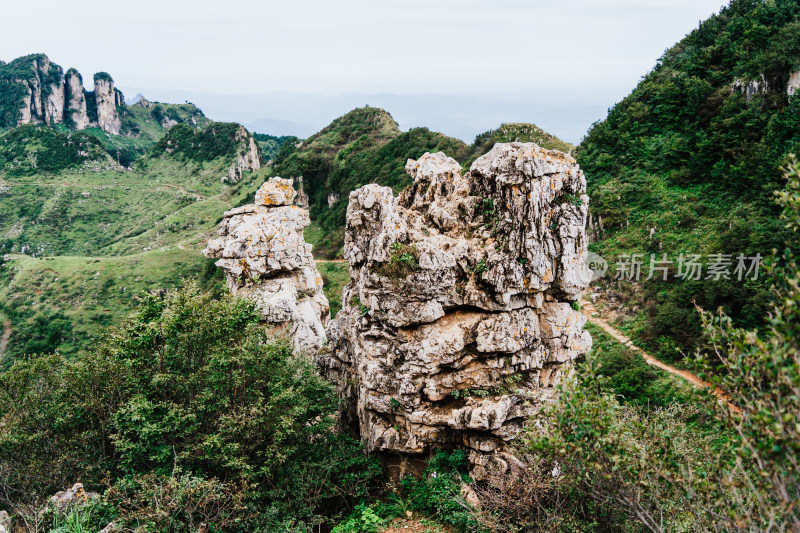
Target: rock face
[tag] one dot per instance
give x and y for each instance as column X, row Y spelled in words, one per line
column 75, row 100
column 247, row 158
column 794, row 83
column 267, row 260
column 42, row 90
column 41, row 93
column 458, row 321
column 108, row 98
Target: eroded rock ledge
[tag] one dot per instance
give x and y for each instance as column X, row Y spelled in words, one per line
column 267, row 260
column 458, row 321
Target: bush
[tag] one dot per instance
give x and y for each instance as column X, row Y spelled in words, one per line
column 728, row 462
column 187, row 384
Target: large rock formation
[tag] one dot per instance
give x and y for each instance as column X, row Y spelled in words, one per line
column 36, row 91
column 458, row 321
column 107, row 98
column 267, row 260
column 76, row 112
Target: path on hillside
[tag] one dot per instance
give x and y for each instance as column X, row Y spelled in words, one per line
column 590, row 312
column 197, row 196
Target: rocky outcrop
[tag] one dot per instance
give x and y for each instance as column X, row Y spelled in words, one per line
column 76, row 112
column 108, row 99
column 302, row 197
column 41, row 93
column 247, row 156
column 267, row 260
column 457, row 322
column 794, row 83
column 41, row 90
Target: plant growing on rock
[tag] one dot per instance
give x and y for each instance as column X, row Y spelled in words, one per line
column 403, row 262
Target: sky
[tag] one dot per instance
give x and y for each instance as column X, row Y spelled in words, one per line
column 290, row 67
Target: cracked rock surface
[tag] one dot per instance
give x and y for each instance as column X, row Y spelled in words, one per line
column 457, row 321
column 267, row 260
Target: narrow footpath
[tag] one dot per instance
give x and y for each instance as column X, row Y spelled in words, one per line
column 590, row 312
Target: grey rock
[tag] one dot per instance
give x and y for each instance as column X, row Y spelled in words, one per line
column 457, row 321
column 267, row 260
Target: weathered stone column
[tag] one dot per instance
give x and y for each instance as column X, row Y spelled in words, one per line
column 267, row 260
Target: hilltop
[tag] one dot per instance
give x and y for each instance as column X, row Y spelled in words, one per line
column 688, row 163
column 367, row 146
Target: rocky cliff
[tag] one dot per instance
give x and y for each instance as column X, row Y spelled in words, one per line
column 107, row 99
column 33, row 90
column 247, row 156
column 267, row 260
column 458, row 321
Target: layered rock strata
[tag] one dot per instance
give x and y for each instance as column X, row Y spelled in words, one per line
column 267, row 260
column 457, row 321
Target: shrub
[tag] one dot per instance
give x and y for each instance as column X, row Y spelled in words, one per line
column 187, row 384
column 403, row 261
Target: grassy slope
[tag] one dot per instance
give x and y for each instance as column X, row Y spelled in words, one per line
column 133, row 230
column 687, row 156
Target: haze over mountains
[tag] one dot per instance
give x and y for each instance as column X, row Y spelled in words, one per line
column 567, row 116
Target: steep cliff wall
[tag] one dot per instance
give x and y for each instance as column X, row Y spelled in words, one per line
column 458, row 321
column 33, row 90
column 76, row 112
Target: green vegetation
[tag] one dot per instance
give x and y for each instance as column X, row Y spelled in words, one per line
column 219, row 140
column 335, row 275
column 403, row 262
column 189, row 412
column 270, row 145
column 366, row 146
column 82, row 243
column 30, row 150
column 688, row 155
column 706, row 465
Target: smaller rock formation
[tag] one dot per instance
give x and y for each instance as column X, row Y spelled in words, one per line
column 72, row 496
column 794, row 83
column 267, row 260
column 5, row 522
column 302, row 197
column 247, row 156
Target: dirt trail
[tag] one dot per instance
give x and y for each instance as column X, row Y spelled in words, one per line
column 590, row 312
column 197, row 196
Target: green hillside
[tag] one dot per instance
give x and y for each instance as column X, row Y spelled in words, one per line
column 366, row 146
column 688, row 163
column 82, row 243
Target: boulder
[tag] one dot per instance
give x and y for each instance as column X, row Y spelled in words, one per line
column 267, row 260
column 457, row 322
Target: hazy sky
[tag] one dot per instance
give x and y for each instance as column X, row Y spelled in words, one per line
column 527, row 50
